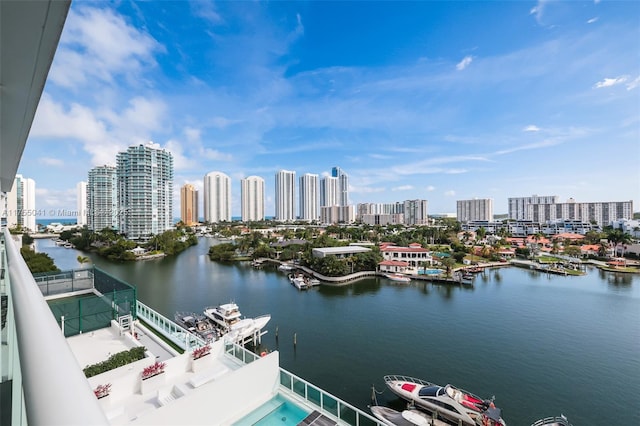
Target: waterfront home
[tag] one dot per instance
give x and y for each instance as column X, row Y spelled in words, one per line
column 414, row 256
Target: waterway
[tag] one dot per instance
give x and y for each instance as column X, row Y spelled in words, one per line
column 542, row 344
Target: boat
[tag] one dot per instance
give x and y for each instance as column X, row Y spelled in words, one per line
column 285, row 267
column 313, row 282
column 298, row 281
column 198, row 325
column 553, row 421
column 228, row 320
column 408, row 417
column 398, row 278
column 448, row 402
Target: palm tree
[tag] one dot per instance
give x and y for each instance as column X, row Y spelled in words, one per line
column 82, row 260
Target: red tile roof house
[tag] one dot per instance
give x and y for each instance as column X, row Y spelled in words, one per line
column 410, row 258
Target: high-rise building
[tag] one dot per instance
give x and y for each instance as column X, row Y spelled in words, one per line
column 145, row 191
column 472, row 210
column 189, row 205
column 102, row 198
column 343, row 185
column 252, row 193
column 415, row 212
column 21, row 204
column 328, row 191
column 519, row 206
column 81, row 203
column 308, row 198
column 285, row 196
column 217, row 197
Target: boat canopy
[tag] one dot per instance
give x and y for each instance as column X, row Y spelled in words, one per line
column 431, row 391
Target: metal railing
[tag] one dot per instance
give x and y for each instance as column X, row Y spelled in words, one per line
column 172, row 331
column 294, row 386
column 35, row 334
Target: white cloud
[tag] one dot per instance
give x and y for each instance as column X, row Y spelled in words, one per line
column 633, row 84
column 192, row 134
column 538, row 10
column 531, row 128
column 608, row 82
column 99, row 44
column 464, row 63
column 592, row 20
column 430, row 188
column 48, row 161
column 450, row 193
column 402, row 188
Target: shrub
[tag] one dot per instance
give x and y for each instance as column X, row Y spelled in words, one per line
column 115, row 361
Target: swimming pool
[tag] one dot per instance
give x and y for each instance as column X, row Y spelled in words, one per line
column 278, row 411
column 430, row 271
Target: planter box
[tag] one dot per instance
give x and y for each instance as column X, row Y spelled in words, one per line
column 202, row 363
column 152, row 383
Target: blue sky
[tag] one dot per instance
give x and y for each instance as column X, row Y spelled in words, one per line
column 441, row 101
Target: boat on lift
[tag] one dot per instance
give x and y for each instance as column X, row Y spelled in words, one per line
column 198, row 325
column 228, row 319
column 448, row 402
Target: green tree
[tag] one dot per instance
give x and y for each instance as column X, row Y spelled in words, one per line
column 27, row 239
column 38, row 262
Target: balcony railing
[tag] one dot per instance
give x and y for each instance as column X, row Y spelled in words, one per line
column 39, row 357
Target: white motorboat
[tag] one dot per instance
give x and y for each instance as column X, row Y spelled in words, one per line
column 398, row 278
column 313, row 282
column 408, row 417
column 448, row 402
column 228, row 320
column 299, row 282
column 285, row 267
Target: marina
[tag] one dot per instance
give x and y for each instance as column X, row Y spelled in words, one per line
column 518, row 329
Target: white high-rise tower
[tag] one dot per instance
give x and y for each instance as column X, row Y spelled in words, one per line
column 285, row 195
column 328, row 191
column 21, row 203
column 252, row 192
column 343, row 185
column 309, row 197
column 217, row 197
column 81, row 203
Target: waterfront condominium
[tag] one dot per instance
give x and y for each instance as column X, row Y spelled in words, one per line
column 415, row 212
column 285, row 196
column 519, row 206
column 145, row 191
column 102, row 198
column 252, row 194
column 328, row 191
column 308, row 197
column 189, row 205
column 343, row 185
column 21, row 204
column 217, row 197
column 81, row 203
column 471, row 210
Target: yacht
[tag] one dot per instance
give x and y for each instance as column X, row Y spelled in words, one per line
column 299, row 282
column 448, row 402
column 228, row 319
column 553, row 421
column 198, row 325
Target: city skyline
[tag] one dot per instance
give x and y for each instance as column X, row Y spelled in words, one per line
column 442, row 101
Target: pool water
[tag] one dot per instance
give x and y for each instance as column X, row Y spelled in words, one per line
column 278, row 411
column 430, row 271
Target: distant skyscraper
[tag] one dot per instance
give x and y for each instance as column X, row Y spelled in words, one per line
column 415, row 212
column 252, row 198
column 343, row 185
column 189, row 205
column 102, row 198
column 309, row 201
column 328, row 191
column 285, row 196
column 21, row 204
column 145, row 191
column 217, row 197
column 81, row 203
column 519, row 206
column 472, row 210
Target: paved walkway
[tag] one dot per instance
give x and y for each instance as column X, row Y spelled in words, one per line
column 161, row 350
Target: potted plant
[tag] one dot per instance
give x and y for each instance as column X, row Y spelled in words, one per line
column 102, row 390
column 201, row 351
column 153, row 370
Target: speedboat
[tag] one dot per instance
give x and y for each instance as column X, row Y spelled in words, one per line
column 398, row 277
column 408, row 417
column 299, row 282
column 553, row 421
column 449, row 402
column 285, row 267
column 198, row 325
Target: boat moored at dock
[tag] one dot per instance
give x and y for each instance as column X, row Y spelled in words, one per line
column 553, row 421
column 398, row 278
column 198, row 325
column 228, row 321
column 448, row 402
column 408, row 417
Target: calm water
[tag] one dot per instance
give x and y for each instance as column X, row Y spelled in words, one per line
column 543, row 345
